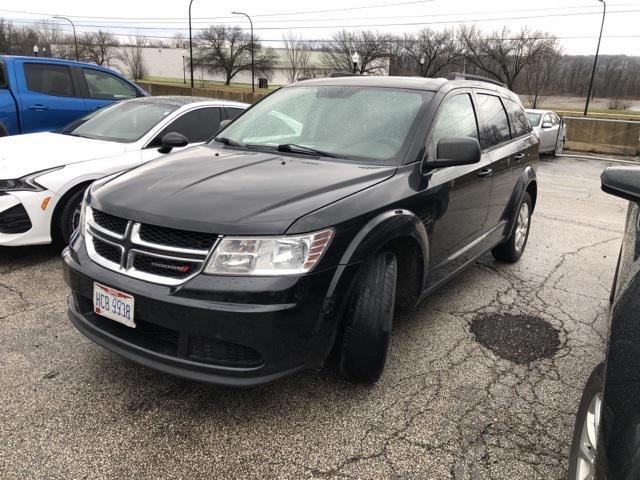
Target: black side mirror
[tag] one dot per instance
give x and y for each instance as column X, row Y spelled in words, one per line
column 172, row 140
column 452, row 151
column 223, row 124
column 623, row 182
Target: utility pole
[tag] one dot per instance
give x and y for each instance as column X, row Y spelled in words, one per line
column 595, row 60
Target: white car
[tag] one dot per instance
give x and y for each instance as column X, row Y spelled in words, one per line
column 43, row 176
column 550, row 129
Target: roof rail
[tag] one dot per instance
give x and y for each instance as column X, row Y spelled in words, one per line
column 480, row 78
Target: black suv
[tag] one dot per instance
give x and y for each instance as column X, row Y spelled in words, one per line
column 301, row 228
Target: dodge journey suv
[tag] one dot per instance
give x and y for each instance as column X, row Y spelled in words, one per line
column 295, row 234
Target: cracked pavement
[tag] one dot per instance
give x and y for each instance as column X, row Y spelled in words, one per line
column 446, row 407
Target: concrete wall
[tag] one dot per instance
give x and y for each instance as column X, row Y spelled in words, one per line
column 603, row 136
column 238, row 96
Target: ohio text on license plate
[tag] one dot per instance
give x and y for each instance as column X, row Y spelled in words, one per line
column 113, row 304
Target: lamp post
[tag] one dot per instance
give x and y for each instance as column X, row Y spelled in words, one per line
column 355, row 58
column 422, row 60
column 75, row 38
column 35, row 50
column 253, row 72
column 184, row 71
column 190, row 44
column 595, row 60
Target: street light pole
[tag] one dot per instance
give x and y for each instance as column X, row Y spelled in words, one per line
column 253, row 72
column 35, row 50
column 595, row 60
column 422, row 60
column 75, row 38
column 190, row 44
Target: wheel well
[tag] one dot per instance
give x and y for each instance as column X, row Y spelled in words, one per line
column 60, row 205
column 409, row 258
column 532, row 190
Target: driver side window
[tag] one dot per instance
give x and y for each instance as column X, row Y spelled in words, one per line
column 456, row 118
column 197, row 125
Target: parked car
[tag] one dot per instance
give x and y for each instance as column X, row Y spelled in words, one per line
column 276, row 244
column 44, row 175
column 607, row 427
column 45, row 94
column 550, row 129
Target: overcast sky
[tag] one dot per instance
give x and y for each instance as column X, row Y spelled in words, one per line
column 575, row 22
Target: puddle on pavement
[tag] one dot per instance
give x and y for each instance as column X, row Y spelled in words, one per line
column 518, row 338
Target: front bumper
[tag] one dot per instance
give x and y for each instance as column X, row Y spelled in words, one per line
column 30, row 203
column 237, row 331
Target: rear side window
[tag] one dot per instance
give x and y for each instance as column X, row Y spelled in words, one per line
column 198, row 125
column 234, row 113
column 494, row 126
column 3, row 81
column 105, row 86
column 49, row 79
column 518, row 119
column 456, row 118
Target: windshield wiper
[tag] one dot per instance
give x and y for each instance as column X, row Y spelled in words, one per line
column 294, row 148
column 227, row 141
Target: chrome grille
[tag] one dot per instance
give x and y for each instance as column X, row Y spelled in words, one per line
column 168, row 256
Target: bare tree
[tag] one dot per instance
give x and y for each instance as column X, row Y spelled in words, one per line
column 431, row 52
column 297, row 55
column 132, row 57
column 98, row 47
column 179, row 40
column 503, row 55
column 372, row 48
column 541, row 76
column 227, row 50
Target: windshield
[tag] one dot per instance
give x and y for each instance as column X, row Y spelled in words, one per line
column 534, row 118
column 124, row 122
column 346, row 122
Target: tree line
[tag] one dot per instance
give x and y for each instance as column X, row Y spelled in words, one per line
column 528, row 61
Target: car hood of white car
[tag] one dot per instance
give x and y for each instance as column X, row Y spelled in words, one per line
column 21, row 155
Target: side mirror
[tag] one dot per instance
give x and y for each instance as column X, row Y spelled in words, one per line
column 546, row 125
column 452, row 151
column 623, row 182
column 172, row 140
column 223, row 124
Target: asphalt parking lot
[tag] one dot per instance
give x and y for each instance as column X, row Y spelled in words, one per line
column 463, row 396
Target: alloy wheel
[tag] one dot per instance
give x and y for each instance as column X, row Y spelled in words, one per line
column 588, row 440
column 522, row 226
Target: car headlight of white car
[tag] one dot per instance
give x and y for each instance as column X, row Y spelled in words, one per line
column 287, row 255
column 25, row 184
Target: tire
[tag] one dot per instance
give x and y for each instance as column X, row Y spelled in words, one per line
column 612, row 295
column 64, row 219
column 512, row 249
column 588, row 409
column 368, row 321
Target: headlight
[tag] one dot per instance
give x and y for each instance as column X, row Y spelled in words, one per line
column 25, row 184
column 289, row 255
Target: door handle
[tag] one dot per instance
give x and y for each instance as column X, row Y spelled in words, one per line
column 519, row 156
column 485, row 172
column 38, row 107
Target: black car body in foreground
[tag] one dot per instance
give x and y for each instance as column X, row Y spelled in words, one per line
column 302, row 228
column 606, row 438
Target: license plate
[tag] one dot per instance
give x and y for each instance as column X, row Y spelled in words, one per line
column 113, row 304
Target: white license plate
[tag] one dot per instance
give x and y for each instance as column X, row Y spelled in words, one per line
column 113, row 304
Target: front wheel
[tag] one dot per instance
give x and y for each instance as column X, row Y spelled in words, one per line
column 67, row 220
column 368, row 321
column 513, row 248
column 584, row 444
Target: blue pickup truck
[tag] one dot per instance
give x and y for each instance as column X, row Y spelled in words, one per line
column 44, row 94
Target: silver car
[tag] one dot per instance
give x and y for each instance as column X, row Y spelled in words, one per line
column 550, row 129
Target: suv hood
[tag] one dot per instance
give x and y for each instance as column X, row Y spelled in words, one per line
column 232, row 192
column 21, row 155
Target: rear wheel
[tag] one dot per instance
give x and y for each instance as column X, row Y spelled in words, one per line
column 585, row 432
column 67, row 219
column 513, row 248
column 369, row 318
